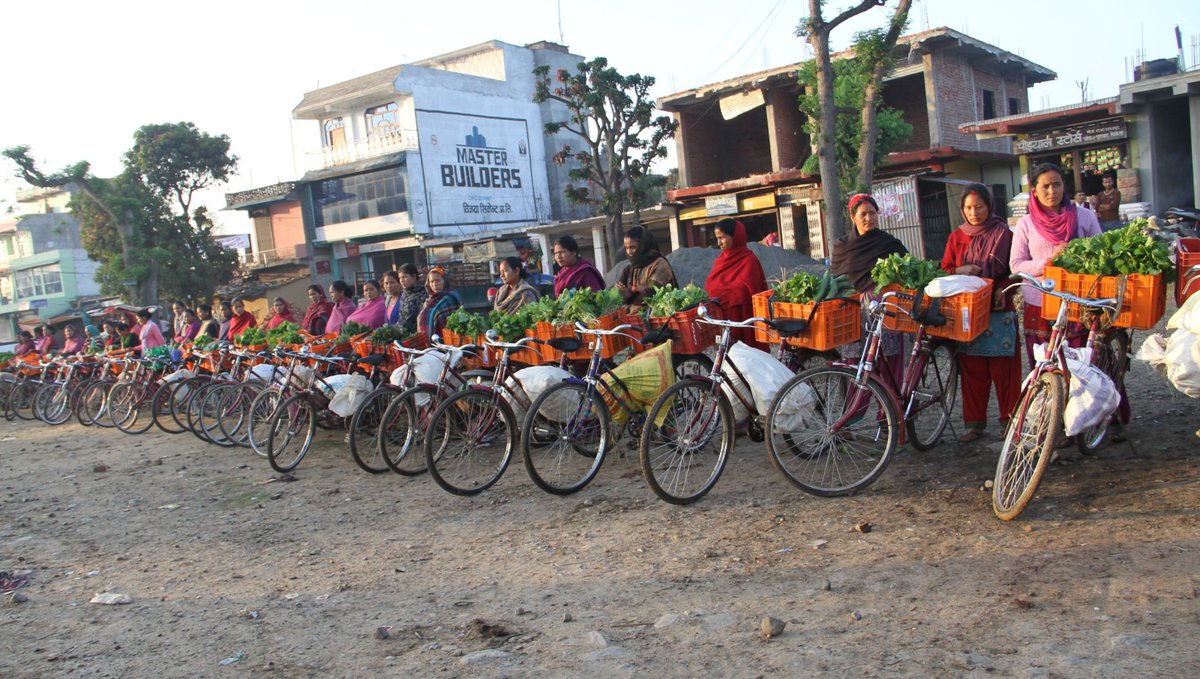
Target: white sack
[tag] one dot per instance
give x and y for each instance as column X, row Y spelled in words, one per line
column 1187, row 317
column 1183, row 362
column 764, row 372
column 348, row 393
column 529, row 383
column 1153, row 352
column 1093, row 399
column 954, row 284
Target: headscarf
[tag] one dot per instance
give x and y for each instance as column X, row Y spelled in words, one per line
column 316, row 315
column 280, row 318
column 736, row 275
column 409, row 307
column 1055, row 228
column 647, row 249
column 855, row 254
column 985, row 238
column 438, row 305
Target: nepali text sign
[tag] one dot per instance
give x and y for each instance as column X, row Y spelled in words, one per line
column 239, row 241
column 715, row 206
column 1111, row 129
column 477, row 169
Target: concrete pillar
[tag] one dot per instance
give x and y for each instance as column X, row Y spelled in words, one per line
column 543, row 242
column 931, row 102
column 1194, row 111
column 676, row 235
column 599, row 249
column 785, row 129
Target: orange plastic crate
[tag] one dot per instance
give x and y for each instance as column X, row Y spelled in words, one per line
column 1187, row 256
column 836, row 322
column 612, row 345
column 967, row 314
column 689, row 334
column 1144, row 303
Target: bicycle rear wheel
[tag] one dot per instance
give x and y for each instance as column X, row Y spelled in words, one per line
column 54, row 403
column 291, row 433
column 402, row 431
column 1111, row 355
column 828, row 436
column 470, row 441
column 129, row 407
column 216, row 399
column 258, row 424
column 160, row 408
column 235, row 412
column 364, row 430
column 932, row 401
column 91, row 407
column 564, row 437
column 22, row 399
column 686, row 441
column 1028, row 445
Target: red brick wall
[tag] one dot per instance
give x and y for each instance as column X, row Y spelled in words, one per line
column 959, row 88
column 792, row 145
column 717, row 150
column 908, row 96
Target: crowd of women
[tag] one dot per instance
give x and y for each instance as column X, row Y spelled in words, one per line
column 982, row 246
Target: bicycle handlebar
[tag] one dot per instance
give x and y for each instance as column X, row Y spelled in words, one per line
column 703, row 317
column 1047, row 287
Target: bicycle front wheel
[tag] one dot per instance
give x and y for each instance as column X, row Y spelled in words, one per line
column 54, row 404
column 364, row 430
column 1028, row 445
column 470, row 441
column 402, row 431
column 160, row 408
column 1111, row 355
column 258, row 424
column 932, row 400
column 829, row 436
column 686, row 441
column 91, row 406
column 291, row 433
column 22, row 400
column 564, row 438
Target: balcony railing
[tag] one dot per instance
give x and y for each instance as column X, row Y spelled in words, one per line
column 378, row 144
column 264, row 258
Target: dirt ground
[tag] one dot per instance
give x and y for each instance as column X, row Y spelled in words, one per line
column 341, row 574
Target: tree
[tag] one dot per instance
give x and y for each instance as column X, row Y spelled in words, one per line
column 140, row 225
column 816, row 30
column 614, row 116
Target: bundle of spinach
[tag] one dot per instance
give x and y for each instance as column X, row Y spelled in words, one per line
column 285, row 333
column 668, row 300
column 802, row 288
column 465, row 323
column 386, row 334
column 510, row 327
column 351, row 330
column 251, row 337
column 545, row 310
column 585, row 305
column 906, row 271
column 1112, row 253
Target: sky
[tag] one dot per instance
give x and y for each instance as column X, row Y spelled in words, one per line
column 80, row 77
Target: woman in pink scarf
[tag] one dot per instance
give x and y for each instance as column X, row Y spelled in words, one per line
column 370, row 313
column 283, row 313
column 575, row 272
column 45, row 343
column 151, row 336
column 342, row 306
column 73, row 344
column 1038, row 238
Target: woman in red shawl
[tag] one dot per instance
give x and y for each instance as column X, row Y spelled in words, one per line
column 283, row 313
column 317, row 312
column 241, row 320
column 575, row 272
column 736, row 276
column 981, row 247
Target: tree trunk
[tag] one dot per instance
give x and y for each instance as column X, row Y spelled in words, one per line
column 870, row 133
column 150, row 285
column 835, row 224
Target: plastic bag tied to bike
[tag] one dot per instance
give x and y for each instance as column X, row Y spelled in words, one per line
column 765, row 374
column 1092, row 396
column 427, row 369
column 640, row 381
column 526, row 384
column 349, row 392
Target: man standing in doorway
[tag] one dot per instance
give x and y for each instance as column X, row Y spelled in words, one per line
column 1108, row 203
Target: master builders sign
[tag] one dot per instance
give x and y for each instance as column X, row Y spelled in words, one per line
column 476, row 169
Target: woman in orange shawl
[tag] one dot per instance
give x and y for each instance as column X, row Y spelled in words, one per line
column 736, row 276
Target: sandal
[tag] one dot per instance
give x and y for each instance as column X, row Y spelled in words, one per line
column 972, row 435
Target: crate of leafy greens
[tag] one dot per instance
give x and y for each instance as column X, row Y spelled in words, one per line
column 1124, row 264
column 679, row 310
column 463, row 328
column 595, row 309
column 253, row 339
column 826, row 302
column 286, row 334
column 512, row 328
column 350, row 333
column 967, row 314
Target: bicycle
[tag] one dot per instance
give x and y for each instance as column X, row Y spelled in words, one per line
column 565, row 433
column 473, row 432
column 833, row 430
column 53, row 401
column 1036, row 424
column 294, row 422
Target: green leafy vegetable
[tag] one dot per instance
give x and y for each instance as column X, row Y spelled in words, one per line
column 1113, row 253
column 463, row 322
column 285, row 333
column 906, row 271
column 586, row 305
column 803, row 288
column 668, row 300
column 510, row 327
column 251, row 337
column 351, row 330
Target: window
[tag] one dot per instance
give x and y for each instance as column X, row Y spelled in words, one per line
column 335, row 132
column 360, row 196
column 383, row 120
column 1014, row 106
column 39, row 281
column 989, row 104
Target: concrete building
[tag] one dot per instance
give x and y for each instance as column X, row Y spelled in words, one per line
column 43, row 266
column 741, row 143
column 417, row 160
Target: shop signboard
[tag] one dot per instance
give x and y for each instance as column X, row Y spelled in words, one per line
column 715, row 206
column 1098, row 132
column 240, row 241
column 477, row 169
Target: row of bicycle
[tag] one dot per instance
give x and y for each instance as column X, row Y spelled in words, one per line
column 831, row 429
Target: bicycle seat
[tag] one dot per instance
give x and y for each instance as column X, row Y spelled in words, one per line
column 482, row 374
column 789, row 327
column 931, row 316
column 657, row 336
column 373, row 359
column 565, row 344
